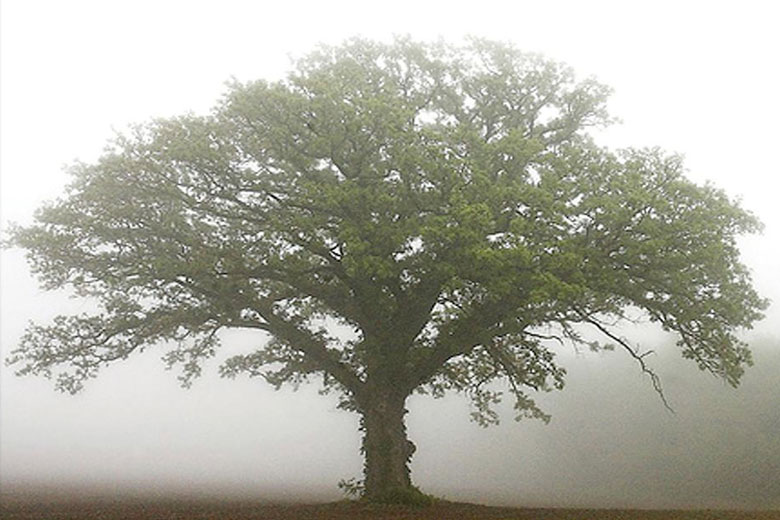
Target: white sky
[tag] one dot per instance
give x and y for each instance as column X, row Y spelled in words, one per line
column 693, row 77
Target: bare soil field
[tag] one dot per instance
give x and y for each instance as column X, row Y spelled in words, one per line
column 14, row 506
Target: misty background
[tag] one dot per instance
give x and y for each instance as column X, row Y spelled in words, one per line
column 701, row 81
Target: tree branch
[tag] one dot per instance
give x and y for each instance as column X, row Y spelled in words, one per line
column 638, row 357
column 307, row 343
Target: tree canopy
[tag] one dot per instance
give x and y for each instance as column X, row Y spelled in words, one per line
column 396, row 217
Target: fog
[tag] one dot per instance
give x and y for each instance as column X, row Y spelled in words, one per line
column 704, row 83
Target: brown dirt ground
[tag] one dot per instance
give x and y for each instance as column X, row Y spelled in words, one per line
column 46, row 507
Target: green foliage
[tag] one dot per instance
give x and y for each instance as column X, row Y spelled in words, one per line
column 352, row 487
column 444, row 205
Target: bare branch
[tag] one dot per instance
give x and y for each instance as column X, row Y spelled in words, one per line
column 638, row 356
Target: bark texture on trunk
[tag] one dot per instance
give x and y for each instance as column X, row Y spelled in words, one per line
column 386, row 448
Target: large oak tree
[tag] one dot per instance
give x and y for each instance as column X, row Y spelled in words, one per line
column 396, row 218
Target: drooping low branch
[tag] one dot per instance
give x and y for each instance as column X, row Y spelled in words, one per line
column 637, row 356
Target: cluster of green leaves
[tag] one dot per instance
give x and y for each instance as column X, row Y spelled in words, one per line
column 442, row 204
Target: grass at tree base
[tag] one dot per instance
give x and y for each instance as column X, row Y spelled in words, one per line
column 30, row 506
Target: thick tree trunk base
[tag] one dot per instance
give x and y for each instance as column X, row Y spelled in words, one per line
column 387, row 452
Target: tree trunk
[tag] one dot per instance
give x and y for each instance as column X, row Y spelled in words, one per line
column 386, row 449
